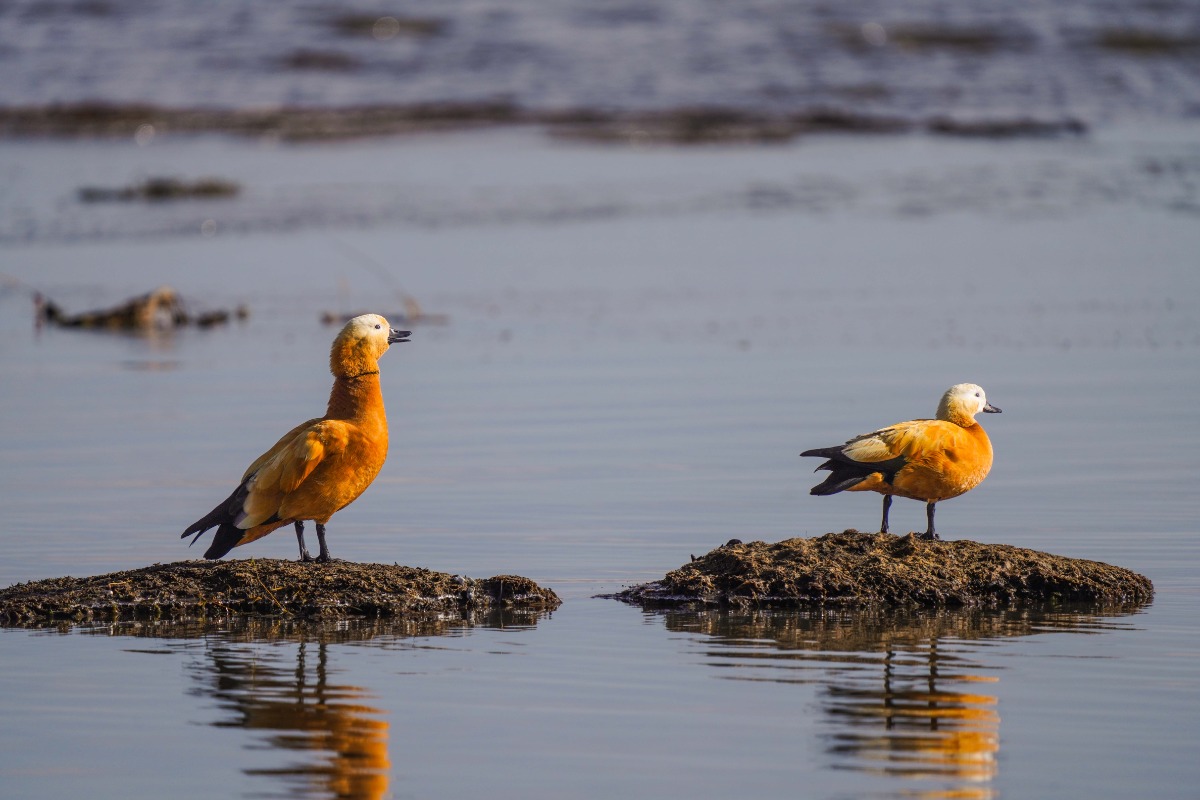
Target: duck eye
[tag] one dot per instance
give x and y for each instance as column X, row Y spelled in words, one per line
column 378, row 326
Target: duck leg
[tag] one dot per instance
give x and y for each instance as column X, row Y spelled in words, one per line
column 887, row 505
column 304, row 554
column 323, row 555
column 930, row 533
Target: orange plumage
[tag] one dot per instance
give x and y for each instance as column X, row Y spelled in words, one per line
column 923, row 459
column 322, row 465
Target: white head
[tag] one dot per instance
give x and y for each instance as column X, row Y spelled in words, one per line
column 962, row 402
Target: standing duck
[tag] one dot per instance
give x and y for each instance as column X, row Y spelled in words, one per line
column 320, row 466
column 923, row 459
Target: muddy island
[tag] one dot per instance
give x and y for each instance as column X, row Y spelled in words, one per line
column 855, row 569
column 199, row 590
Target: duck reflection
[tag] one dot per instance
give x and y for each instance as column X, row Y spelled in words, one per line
column 905, row 693
column 918, row 721
column 340, row 740
column 276, row 677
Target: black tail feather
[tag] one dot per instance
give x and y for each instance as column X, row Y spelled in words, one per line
column 224, row 515
column 824, row 452
column 845, row 472
column 225, row 539
column 838, row 481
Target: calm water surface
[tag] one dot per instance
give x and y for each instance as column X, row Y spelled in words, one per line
column 618, row 387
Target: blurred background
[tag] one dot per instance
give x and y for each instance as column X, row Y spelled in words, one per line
column 1090, row 61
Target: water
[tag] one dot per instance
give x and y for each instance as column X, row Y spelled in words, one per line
column 612, row 394
column 1095, row 60
column 640, row 342
column 601, row 699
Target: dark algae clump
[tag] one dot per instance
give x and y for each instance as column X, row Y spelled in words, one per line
column 158, row 189
column 194, row 590
column 865, row 569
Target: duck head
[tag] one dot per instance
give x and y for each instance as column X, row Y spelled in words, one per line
column 357, row 348
column 962, row 402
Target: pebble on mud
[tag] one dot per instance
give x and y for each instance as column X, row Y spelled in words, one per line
column 855, row 569
column 210, row 590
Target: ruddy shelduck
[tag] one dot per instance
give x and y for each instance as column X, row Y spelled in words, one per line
column 320, row 466
column 923, row 459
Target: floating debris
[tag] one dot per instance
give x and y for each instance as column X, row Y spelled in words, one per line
column 1147, row 42
column 976, row 40
column 716, row 126
column 161, row 309
column 297, row 123
column 1007, row 128
column 398, row 318
column 328, row 60
column 673, row 126
column 413, row 314
column 921, row 38
column 213, row 590
column 855, row 569
column 158, row 189
column 383, row 27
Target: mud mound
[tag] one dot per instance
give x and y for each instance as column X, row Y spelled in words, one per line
column 194, row 590
column 864, row 569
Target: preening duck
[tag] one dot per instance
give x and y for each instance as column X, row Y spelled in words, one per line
column 923, row 459
column 320, row 466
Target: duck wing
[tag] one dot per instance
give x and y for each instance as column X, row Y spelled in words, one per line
column 285, row 471
column 253, row 509
column 884, row 451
